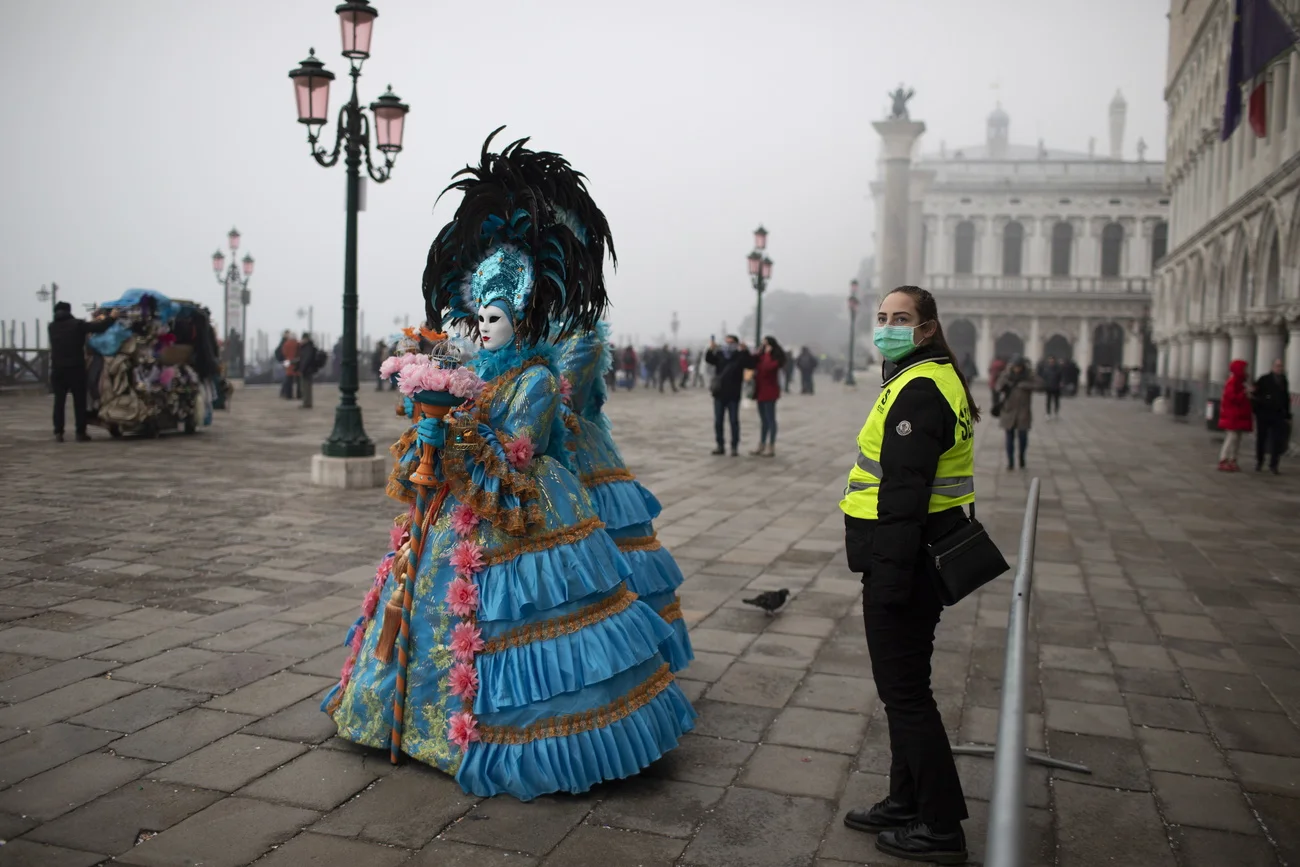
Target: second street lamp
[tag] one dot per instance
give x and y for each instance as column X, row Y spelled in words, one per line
column 760, row 271
column 853, row 329
column 311, row 89
column 235, row 301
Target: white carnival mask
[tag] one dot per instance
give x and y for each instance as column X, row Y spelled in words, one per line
column 495, row 329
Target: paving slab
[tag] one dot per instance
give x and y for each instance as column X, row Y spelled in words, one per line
column 796, row 771
column 448, row 853
column 320, row 779
column 50, row 644
column 1202, row 802
column 230, row 763
column 47, row 747
column 55, row 792
column 181, row 735
column 271, row 694
column 1097, row 826
column 668, row 807
column 760, row 829
column 140, row 709
column 47, row 678
column 536, row 827
column 323, row 850
column 65, row 702
column 112, row 823
column 27, row 853
column 405, row 808
column 591, row 846
column 232, row 832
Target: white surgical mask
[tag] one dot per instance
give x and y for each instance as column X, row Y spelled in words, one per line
column 495, row 329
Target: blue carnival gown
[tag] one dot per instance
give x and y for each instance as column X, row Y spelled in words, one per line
column 626, row 506
column 565, row 685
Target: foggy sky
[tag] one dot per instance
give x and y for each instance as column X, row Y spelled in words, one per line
column 139, row 131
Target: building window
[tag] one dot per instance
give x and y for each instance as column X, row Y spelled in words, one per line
column 1013, row 244
column 1112, row 244
column 965, row 248
column 1062, row 241
column 1159, row 243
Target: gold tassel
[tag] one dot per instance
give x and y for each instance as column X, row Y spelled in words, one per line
column 388, row 635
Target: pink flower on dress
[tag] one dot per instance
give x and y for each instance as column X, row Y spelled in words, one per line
column 466, row 640
column 395, row 537
column 464, row 681
column 347, row 670
column 566, row 388
column 370, row 604
column 462, row 730
column 462, row 597
column 463, row 521
column 466, row 558
column 358, row 638
column 519, row 452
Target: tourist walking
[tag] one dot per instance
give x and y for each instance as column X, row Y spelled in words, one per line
column 1053, row 378
column 309, row 363
column 996, row 366
column 629, row 367
column 769, row 366
column 1234, row 415
column 697, row 375
column 915, row 470
column 787, row 371
column 377, row 361
column 68, row 365
column 668, row 368
column 287, row 354
column 1014, row 406
column 1272, row 402
column 806, row 364
column 730, row 360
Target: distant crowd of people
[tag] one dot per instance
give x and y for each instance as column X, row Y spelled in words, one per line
column 302, row 361
column 1264, row 407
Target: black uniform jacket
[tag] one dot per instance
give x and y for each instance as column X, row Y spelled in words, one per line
column 68, row 339
column 889, row 552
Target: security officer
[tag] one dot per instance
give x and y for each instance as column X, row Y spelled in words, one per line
column 914, row 471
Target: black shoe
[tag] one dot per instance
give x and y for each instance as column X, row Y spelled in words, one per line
column 719, row 451
column 735, row 452
column 1259, row 467
column 885, row 815
column 1275, row 471
column 58, row 437
column 83, row 437
column 919, row 842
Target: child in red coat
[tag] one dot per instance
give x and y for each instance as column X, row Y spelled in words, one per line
column 1235, row 415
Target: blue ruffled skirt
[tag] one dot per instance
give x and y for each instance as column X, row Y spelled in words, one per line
column 628, row 510
column 572, row 688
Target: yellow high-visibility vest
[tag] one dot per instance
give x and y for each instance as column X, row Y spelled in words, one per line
column 954, row 482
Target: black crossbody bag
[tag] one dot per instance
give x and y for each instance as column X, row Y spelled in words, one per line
column 965, row 559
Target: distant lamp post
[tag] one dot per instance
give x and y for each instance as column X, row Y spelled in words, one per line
column 51, row 295
column 311, row 81
column 235, row 300
column 760, row 271
column 676, row 324
column 853, row 329
column 307, row 313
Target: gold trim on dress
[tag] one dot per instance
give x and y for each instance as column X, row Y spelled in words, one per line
column 543, row 541
column 571, row 724
column 672, row 611
column 566, row 625
column 639, row 543
column 605, row 477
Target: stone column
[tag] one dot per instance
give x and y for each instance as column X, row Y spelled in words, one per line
column 1269, row 345
column 916, row 239
column 897, row 137
column 1083, row 344
column 1034, row 349
column 1181, row 361
column 1293, row 353
column 1133, row 344
column 1200, row 372
column 1162, row 362
column 1220, row 355
column 1243, row 345
column 984, row 346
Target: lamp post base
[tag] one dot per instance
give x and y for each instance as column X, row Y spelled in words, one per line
column 370, row 472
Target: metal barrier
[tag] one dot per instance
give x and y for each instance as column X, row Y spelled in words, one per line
column 1005, row 844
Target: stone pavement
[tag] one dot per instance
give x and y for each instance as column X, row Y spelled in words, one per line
column 172, row 610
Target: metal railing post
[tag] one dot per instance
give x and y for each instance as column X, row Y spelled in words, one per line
column 1006, row 839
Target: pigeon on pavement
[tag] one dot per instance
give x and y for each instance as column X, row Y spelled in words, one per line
column 770, row 601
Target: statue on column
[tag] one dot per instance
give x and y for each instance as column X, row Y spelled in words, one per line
column 900, row 98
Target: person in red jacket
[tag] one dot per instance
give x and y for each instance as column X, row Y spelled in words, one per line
column 1234, row 415
column 768, row 365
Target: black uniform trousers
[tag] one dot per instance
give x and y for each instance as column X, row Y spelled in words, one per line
column 1270, row 438
column 65, row 381
column 900, row 640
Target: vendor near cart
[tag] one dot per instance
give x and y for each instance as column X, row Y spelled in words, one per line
column 68, row 364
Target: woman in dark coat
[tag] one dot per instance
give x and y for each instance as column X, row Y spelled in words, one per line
column 768, row 365
column 1015, row 394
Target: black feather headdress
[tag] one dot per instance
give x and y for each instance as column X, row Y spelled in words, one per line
column 526, row 232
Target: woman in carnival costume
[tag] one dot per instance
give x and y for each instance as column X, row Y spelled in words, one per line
column 625, row 506
column 510, row 652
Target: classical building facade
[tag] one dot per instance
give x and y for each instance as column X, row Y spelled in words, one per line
column 1229, row 287
column 1037, row 252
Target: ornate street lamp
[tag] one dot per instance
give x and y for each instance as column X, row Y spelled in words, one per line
column 760, row 271
column 853, row 328
column 311, row 81
column 51, row 295
column 235, row 301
